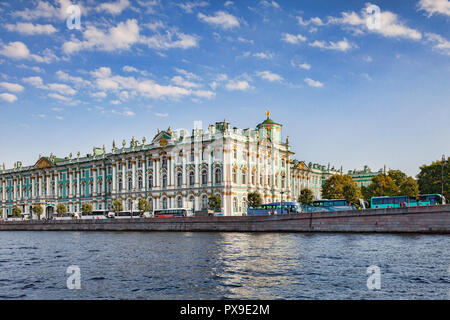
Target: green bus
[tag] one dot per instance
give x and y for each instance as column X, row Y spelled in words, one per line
column 405, row 201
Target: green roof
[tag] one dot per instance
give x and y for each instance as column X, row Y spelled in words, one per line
column 267, row 121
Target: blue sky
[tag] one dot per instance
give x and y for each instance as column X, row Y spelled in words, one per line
column 345, row 93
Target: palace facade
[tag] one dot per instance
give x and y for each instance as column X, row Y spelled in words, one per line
column 174, row 170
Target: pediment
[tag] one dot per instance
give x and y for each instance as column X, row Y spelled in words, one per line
column 43, row 163
column 162, row 138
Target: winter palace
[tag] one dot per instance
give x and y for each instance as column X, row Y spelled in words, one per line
column 176, row 169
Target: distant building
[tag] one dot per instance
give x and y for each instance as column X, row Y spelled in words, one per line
column 363, row 178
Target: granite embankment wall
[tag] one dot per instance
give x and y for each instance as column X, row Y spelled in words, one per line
column 434, row 219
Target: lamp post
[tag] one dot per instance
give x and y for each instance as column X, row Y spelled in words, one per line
column 442, row 175
column 281, row 203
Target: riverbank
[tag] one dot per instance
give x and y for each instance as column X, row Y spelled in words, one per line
column 433, row 219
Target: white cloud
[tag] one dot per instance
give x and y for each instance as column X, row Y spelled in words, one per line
column 120, row 37
column 60, row 88
column 130, row 69
column 292, row 38
column 113, row 8
column 228, row 3
column 78, row 81
column 59, row 97
column 180, row 81
column 190, row 6
column 304, row 65
column 390, row 24
column 100, row 94
column 269, row 76
column 313, row 83
column 435, row 6
column 31, row 29
column 8, row 97
column 158, row 114
column 270, row 4
column 315, row 21
column 18, row 50
column 263, row 55
column 170, row 40
column 12, row 87
column 187, row 74
column 46, row 10
column 59, row 117
column 440, row 44
column 237, row 85
column 342, row 45
column 220, row 19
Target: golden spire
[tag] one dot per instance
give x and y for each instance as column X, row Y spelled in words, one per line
column 268, row 113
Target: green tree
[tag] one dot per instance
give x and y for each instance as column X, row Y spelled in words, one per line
column 86, row 208
column 306, row 196
column 38, row 210
column 333, row 187
column 352, row 193
column 409, row 187
column 429, row 178
column 16, row 211
column 254, row 199
column 61, row 208
column 215, row 203
column 398, row 177
column 143, row 206
column 117, row 206
column 383, row 185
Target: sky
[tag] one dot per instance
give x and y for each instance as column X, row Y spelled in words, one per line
column 353, row 83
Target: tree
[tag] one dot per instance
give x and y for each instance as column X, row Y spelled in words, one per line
column 215, row 203
column 86, row 208
column 254, row 200
column 117, row 206
column 38, row 210
column 429, row 178
column 383, row 185
column 333, row 188
column 397, row 176
column 16, row 211
column 61, row 208
column 143, row 206
column 409, row 187
column 306, row 196
column 352, row 193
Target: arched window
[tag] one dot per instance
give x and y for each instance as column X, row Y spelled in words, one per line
column 180, row 157
column 180, row 202
column 100, row 186
column 150, row 181
column 244, row 204
column 253, row 177
column 204, row 202
column 120, row 185
column 164, row 181
column 191, row 178
column 164, row 162
column 244, row 176
column 130, row 184
column 283, row 181
column 150, row 201
column 140, row 183
column 204, row 177
column 164, row 203
column 234, row 175
column 235, row 204
column 192, row 200
column 218, row 176
column 130, row 205
column 179, row 179
column 261, row 180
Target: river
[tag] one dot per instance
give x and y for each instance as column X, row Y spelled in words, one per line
column 185, row 265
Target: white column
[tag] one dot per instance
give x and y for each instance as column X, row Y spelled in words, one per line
column 114, row 173
column 133, row 173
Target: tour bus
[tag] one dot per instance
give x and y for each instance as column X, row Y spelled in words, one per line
column 170, row 213
column 274, row 208
column 330, row 205
column 405, row 201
